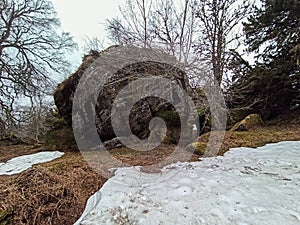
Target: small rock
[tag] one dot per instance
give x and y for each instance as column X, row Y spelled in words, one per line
column 197, row 148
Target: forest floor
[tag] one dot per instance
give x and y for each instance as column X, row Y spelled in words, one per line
column 56, row 192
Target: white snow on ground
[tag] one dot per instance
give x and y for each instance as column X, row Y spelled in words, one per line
column 245, row 186
column 22, row 163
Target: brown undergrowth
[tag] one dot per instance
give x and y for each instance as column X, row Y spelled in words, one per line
column 53, row 193
column 256, row 137
column 12, row 151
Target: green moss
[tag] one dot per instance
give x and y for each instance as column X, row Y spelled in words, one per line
column 170, row 117
column 236, row 115
column 59, row 135
column 5, row 216
column 199, row 147
column 242, row 135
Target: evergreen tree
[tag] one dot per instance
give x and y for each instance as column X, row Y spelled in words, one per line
column 273, row 84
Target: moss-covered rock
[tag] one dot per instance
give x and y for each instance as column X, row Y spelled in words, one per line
column 142, row 111
column 236, row 115
column 59, row 135
column 252, row 120
column 197, row 148
column 170, row 117
column 172, row 120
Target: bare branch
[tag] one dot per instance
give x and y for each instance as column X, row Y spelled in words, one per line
column 31, row 50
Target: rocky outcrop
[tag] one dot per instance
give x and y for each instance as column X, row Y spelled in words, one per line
column 65, row 91
column 252, row 120
column 141, row 113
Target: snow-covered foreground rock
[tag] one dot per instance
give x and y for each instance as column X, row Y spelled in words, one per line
column 246, row 186
column 22, row 163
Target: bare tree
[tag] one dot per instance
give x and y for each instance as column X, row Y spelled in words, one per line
column 33, row 120
column 201, row 31
column 169, row 25
column 219, row 23
column 134, row 25
column 175, row 26
column 31, row 50
column 92, row 44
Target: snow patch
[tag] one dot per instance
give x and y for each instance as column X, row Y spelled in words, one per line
column 22, row 163
column 245, row 186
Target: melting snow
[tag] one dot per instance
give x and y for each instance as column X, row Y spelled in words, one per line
column 245, row 186
column 22, row 163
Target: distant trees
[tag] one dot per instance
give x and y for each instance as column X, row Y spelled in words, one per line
column 31, row 50
column 273, row 83
column 220, row 21
column 165, row 24
column 191, row 30
column 92, row 44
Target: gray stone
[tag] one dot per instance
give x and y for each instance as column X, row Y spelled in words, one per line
column 141, row 113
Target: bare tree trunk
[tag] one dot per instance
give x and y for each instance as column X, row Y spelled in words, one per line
column 164, row 24
column 219, row 19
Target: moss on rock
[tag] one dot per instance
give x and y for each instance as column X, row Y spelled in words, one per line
column 252, row 120
column 170, row 117
column 59, row 135
column 197, row 148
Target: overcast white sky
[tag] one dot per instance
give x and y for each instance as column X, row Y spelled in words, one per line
column 85, row 18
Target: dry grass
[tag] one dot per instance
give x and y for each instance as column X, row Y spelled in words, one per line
column 9, row 152
column 49, row 194
column 258, row 136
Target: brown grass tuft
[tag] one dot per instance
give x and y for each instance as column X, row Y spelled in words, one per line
column 40, row 196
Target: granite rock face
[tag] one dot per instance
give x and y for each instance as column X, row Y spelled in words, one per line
column 142, row 112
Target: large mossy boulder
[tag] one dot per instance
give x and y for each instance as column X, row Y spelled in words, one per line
column 141, row 113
